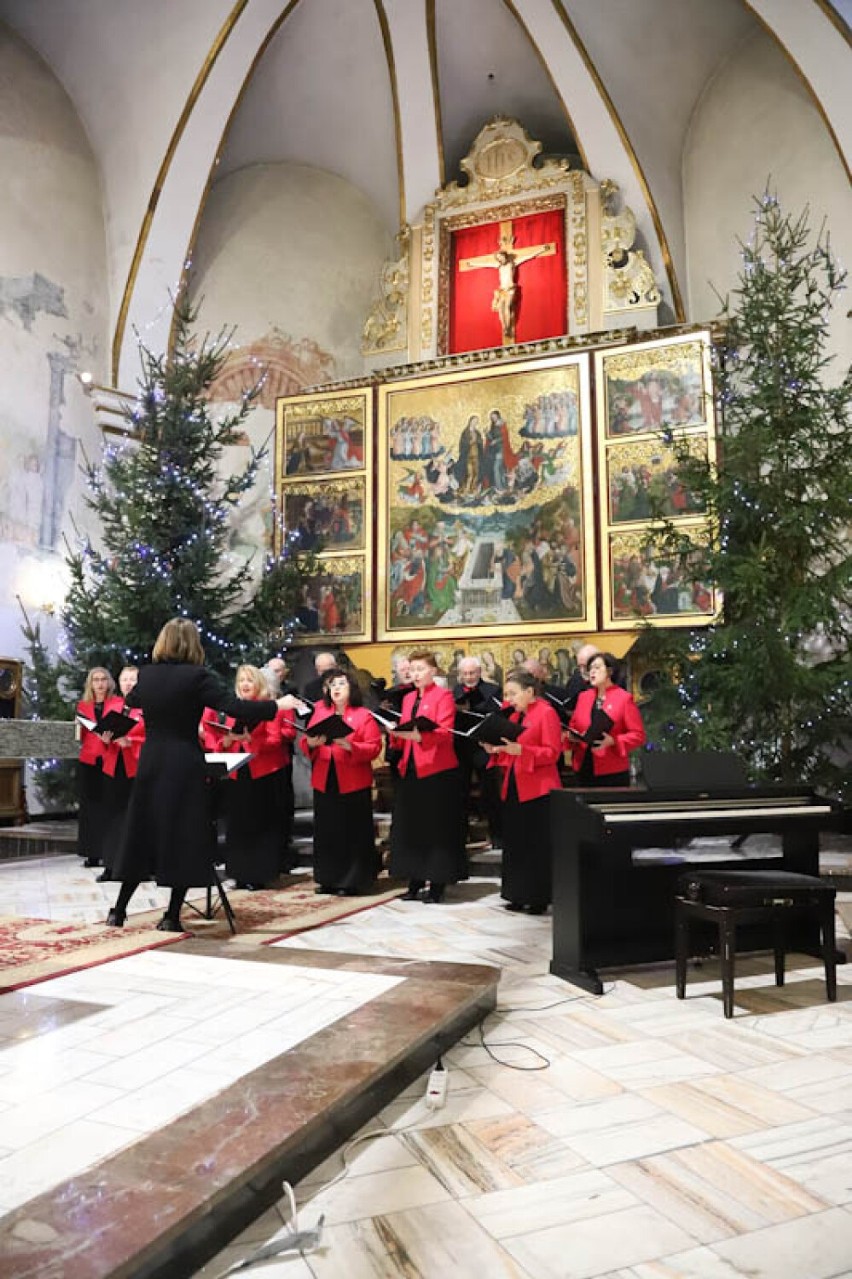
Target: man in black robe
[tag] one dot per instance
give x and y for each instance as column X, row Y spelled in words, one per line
column 473, row 693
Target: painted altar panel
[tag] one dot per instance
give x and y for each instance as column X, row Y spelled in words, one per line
column 654, row 401
column 485, row 503
column 324, row 469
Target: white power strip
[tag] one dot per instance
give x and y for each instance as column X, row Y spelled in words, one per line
column 436, row 1088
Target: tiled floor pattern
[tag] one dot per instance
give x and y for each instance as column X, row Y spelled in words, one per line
column 649, row 1140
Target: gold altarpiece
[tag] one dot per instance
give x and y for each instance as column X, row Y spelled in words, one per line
column 609, row 282
column 494, row 501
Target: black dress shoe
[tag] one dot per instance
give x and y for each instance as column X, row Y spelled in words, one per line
column 322, row 890
column 104, row 878
column 169, row 925
column 413, row 895
column 90, row 862
column 535, row 910
column 116, row 918
column 513, row 906
column 434, row 895
column 341, row 892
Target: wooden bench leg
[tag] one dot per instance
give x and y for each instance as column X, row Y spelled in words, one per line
column 829, row 948
column 681, row 949
column 727, row 951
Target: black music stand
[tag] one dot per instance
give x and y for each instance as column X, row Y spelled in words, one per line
column 211, row 908
column 218, row 767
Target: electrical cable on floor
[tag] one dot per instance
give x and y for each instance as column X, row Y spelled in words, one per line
column 291, row 1243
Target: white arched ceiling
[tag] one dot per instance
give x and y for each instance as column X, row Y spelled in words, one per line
column 678, row 43
column 606, row 149
column 129, row 70
column 488, row 66
column 819, row 50
column 321, row 95
column 348, row 85
column 419, row 138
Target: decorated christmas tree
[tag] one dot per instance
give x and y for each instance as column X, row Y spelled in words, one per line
column 164, row 503
column 771, row 681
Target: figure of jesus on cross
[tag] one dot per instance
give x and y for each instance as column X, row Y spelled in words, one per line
column 506, row 260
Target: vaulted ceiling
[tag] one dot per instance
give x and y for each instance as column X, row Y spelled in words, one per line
column 388, row 94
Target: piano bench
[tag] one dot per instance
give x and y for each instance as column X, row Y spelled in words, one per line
column 729, row 898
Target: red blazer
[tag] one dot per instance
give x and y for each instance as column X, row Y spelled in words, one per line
column 135, row 738
column 627, row 730
column 269, row 741
column 536, row 768
column 436, row 753
column 92, row 745
column 352, row 767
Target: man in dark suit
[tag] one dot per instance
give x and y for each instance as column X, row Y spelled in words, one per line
column 473, row 693
column 579, row 681
column 323, row 663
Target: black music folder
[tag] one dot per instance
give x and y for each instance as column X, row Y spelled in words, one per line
column 600, row 723
column 332, row 728
column 496, row 729
column 421, row 722
column 115, row 722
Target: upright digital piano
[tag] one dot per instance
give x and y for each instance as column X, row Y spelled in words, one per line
column 613, row 903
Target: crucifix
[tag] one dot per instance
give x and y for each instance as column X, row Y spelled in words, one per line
column 507, row 259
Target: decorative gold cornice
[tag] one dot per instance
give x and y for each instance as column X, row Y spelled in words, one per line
column 805, row 82
column 397, row 122
column 431, row 36
column 495, row 355
column 546, row 69
column 677, row 299
column 154, row 199
column 247, row 78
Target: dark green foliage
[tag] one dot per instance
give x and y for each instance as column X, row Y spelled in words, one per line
column 772, row 681
column 163, row 506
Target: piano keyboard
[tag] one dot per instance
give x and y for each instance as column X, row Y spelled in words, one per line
column 662, row 814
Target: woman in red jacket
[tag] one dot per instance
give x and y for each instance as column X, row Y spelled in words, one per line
column 530, row 772
column 345, row 859
column 95, row 750
column 606, row 761
column 427, row 841
column 254, row 796
column 120, row 767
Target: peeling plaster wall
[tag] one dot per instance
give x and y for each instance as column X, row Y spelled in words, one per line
column 53, row 324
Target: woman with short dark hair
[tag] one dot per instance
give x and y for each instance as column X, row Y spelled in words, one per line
column 605, row 760
column 345, row 857
column 530, row 772
column 427, row 840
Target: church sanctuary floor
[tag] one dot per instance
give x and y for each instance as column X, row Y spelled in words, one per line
column 650, row 1139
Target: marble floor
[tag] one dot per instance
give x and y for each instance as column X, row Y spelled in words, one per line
column 630, row 1136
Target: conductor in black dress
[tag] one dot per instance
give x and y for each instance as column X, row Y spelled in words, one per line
column 170, row 833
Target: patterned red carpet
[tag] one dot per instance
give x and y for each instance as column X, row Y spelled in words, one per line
column 33, row 950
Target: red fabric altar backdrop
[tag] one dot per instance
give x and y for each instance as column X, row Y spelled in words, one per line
column 543, row 294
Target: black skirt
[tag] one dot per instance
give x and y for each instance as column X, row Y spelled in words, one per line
column 427, row 839
column 255, row 821
column 94, row 815
column 345, row 856
column 118, row 791
column 170, row 832
column 527, row 875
